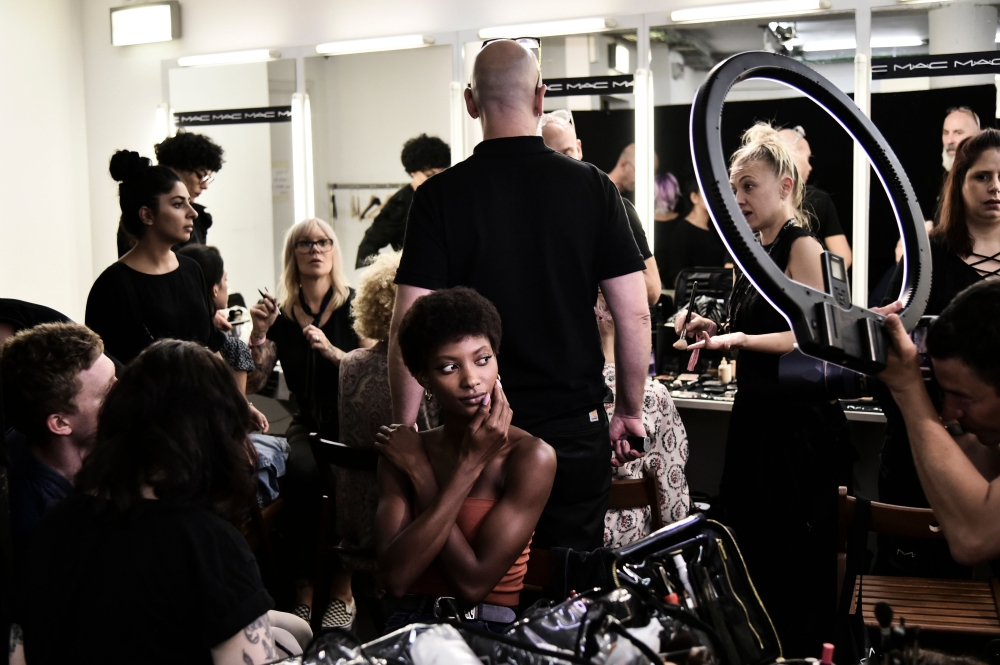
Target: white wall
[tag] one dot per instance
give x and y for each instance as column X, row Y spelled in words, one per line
column 45, row 223
column 239, row 199
column 364, row 108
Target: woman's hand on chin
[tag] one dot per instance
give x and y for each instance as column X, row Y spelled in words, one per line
column 402, row 446
column 718, row 342
column 487, row 434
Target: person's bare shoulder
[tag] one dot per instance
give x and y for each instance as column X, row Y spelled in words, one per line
column 530, row 452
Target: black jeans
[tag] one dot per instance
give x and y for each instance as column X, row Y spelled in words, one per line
column 303, row 488
column 574, row 515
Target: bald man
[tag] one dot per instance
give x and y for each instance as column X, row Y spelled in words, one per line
column 537, row 234
column 817, row 203
column 623, row 175
column 559, row 133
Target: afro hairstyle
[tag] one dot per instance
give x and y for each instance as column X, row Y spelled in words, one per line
column 189, row 152
column 444, row 316
column 424, row 153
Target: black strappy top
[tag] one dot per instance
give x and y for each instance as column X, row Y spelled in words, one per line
column 751, row 314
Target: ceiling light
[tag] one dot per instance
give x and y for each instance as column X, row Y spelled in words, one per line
column 573, row 26
column 231, row 58
column 746, row 10
column 849, row 44
column 376, row 44
column 145, row 24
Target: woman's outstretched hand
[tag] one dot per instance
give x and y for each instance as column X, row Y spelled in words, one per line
column 402, row 446
column 718, row 342
column 487, row 434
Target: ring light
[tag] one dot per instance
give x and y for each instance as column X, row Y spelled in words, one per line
column 843, row 333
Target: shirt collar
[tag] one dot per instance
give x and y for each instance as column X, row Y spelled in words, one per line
column 512, row 145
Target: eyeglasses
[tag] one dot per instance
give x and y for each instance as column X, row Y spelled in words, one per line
column 531, row 44
column 306, row 246
column 205, row 177
column 559, row 116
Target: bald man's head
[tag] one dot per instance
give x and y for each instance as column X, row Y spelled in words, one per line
column 798, row 149
column 561, row 137
column 505, row 78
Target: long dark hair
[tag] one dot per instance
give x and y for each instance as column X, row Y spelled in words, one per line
column 210, row 260
column 140, row 186
column 177, row 422
column 953, row 231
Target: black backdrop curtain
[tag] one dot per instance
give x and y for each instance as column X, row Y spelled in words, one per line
column 910, row 121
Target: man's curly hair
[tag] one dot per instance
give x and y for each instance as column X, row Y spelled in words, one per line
column 444, row 316
column 376, row 296
column 41, row 368
column 189, row 152
column 424, row 153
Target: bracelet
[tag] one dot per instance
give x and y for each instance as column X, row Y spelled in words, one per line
column 253, row 343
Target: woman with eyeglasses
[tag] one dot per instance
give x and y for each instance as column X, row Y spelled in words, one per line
column 150, row 293
column 309, row 330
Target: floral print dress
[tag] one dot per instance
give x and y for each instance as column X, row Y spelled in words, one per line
column 665, row 460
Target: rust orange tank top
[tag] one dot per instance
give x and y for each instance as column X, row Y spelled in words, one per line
column 507, row 592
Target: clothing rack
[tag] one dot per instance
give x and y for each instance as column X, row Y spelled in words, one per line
column 391, row 185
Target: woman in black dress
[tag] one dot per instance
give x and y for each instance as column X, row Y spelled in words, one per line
column 965, row 248
column 310, row 332
column 150, row 293
column 779, row 486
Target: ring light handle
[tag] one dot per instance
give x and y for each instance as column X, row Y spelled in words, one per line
column 824, row 328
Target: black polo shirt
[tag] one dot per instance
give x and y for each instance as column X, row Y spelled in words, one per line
column 535, row 232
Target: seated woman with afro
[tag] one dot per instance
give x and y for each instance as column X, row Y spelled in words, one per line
column 458, row 504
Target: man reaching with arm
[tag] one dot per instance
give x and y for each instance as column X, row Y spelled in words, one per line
column 959, row 467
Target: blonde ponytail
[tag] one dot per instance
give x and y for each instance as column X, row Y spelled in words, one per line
column 761, row 143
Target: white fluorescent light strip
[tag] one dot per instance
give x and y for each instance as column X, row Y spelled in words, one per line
column 573, row 26
column 745, row 10
column 396, row 43
column 141, row 25
column 849, row 44
column 232, row 58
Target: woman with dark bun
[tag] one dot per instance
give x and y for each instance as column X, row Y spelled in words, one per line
column 147, row 541
column 150, row 293
column 458, row 504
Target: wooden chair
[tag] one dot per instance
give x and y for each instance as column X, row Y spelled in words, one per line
column 331, row 454
column 625, row 494
column 945, row 606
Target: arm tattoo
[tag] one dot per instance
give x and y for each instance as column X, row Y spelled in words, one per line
column 16, row 637
column 259, row 632
column 264, row 358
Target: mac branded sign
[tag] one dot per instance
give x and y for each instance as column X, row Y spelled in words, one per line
column 590, row 85
column 234, row 116
column 945, row 64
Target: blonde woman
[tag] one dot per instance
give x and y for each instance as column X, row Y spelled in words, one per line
column 779, row 480
column 310, row 332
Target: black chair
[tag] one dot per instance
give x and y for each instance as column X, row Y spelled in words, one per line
column 331, row 454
